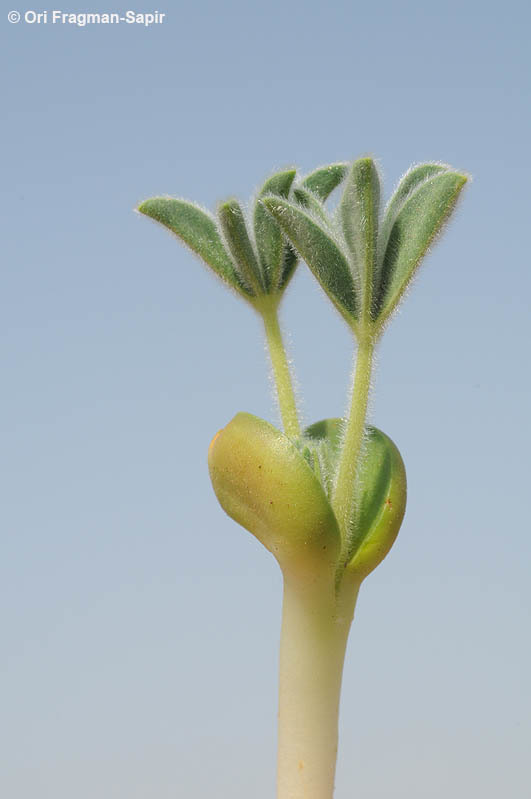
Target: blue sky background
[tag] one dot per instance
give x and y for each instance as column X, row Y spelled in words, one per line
column 139, row 624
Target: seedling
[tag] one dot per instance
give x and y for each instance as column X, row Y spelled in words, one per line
column 328, row 500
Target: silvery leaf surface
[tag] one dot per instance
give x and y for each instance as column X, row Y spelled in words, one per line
column 270, row 242
column 198, row 230
column 419, row 220
column 321, row 252
column 233, row 225
column 324, row 180
column 358, row 214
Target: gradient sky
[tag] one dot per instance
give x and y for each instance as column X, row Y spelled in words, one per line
column 139, row 624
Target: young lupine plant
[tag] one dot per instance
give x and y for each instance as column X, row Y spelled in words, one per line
column 326, row 501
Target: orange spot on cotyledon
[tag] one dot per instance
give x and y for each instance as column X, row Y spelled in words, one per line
column 301, row 765
column 214, row 441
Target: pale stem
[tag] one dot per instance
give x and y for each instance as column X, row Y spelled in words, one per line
column 312, row 652
column 281, row 370
column 344, row 498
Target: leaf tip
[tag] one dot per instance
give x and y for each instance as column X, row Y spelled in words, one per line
column 146, row 206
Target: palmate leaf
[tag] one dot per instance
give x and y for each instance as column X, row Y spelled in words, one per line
column 358, row 213
column 322, row 254
column 198, row 230
column 255, row 265
column 418, row 215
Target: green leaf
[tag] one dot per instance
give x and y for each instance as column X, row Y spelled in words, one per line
column 232, row 222
column 411, row 181
column 265, row 484
column 415, row 226
column 289, row 263
column 312, row 204
column 279, row 183
column 269, row 239
column 382, row 492
column 324, row 180
column 198, row 230
column 358, row 211
column 277, row 257
column 320, row 251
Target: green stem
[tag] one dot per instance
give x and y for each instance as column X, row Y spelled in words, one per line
column 281, row 371
column 315, row 627
column 344, row 498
